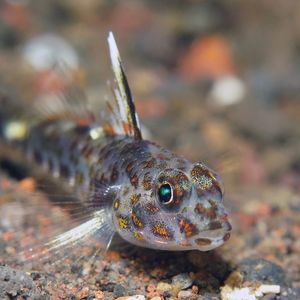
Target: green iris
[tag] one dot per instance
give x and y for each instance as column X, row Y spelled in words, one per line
column 165, row 193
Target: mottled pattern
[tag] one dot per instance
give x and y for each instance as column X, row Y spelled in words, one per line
column 193, row 219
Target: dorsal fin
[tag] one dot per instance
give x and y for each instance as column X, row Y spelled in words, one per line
column 71, row 103
column 126, row 108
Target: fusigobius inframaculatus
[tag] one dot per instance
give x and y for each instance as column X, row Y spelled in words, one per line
column 132, row 187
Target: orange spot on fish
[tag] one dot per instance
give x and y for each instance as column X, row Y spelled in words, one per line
column 162, row 231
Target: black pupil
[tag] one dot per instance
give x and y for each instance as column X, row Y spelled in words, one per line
column 165, row 193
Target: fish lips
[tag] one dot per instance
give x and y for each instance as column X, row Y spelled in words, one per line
column 216, row 234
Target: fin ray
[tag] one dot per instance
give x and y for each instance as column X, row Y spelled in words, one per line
column 123, row 97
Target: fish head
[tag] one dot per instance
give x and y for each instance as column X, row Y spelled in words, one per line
column 182, row 210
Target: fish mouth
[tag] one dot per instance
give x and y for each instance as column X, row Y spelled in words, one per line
column 215, row 236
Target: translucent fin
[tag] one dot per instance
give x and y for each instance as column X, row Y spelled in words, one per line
column 70, row 104
column 125, row 112
column 55, row 238
column 96, row 227
column 62, row 228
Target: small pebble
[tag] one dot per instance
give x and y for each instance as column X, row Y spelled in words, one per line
column 35, row 275
column 228, row 90
column 156, row 298
column 267, row 289
column 184, row 295
column 237, row 294
column 165, row 287
column 135, row 297
column 119, row 290
column 255, row 269
column 47, row 50
column 183, row 280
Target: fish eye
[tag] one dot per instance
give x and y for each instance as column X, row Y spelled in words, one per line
column 165, row 193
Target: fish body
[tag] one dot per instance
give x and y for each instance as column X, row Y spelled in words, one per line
column 146, row 194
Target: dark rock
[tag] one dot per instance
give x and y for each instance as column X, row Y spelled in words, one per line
column 109, row 287
column 119, row 290
column 183, row 280
column 269, row 297
column 209, row 297
column 14, row 283
column 290, row 294
column 35, row 275
column 257, row 269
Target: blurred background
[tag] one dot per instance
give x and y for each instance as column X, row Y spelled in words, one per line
column 214, row 81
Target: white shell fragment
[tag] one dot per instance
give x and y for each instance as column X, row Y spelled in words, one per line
column 15, row 130
column 249, row 293
column 49, row 50
column 228, row 90
column 267, row 289
column 136, row 297
column 239, row 294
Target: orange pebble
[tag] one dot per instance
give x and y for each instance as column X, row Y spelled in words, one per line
column 113, row 255
column 7, row 235
column 28, row 184
column 208, row 57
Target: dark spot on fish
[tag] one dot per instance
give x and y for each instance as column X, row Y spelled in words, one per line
column 187, row 227
column 213, row 209
column 210, row 212
column 134, row 181
column 215, row 225
column 162, row 156
column 136, row 221
column 151, row 208
column 87, row 150
column 200, row 192
column 217, row 187
column 149, row 163
column 147, row 182
column 203, row 242
column 135, row 198
column 185, row 243
column 200, row 209
column 162, row 165
column 114, row 173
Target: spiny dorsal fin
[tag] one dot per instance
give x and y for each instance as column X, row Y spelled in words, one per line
column 68, row 104
column 126, row 108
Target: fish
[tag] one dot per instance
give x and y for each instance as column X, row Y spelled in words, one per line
column 129, row 186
